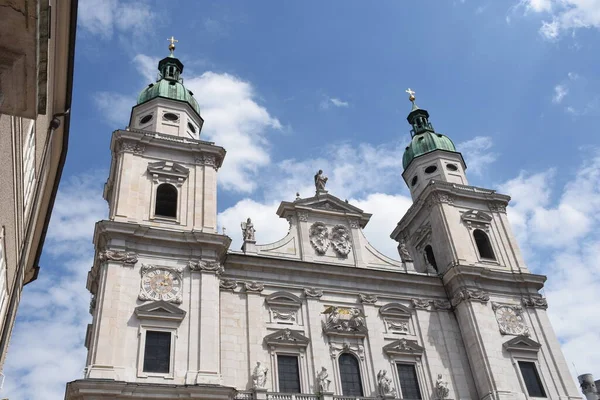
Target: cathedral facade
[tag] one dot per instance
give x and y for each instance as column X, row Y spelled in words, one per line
column 320, row 314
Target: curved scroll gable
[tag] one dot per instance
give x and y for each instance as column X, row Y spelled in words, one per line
column 282, row 298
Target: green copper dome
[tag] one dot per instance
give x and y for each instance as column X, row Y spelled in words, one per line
column 424, row 138
column 424, row 143
column 169, row 85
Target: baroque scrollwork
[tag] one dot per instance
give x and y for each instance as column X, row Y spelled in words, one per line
column 470, row 295
column 126, row 257
column 497, row 207
column 206, row 159
column 319, row 237
column 132, row 147
column 354, row 224
column 535, row 302
column 207, row 266
column 228, row 284
column 302, row 216
column 421, row 303
column 367, row 298
column 313, row 293
column 442, row 305
column 254, row 286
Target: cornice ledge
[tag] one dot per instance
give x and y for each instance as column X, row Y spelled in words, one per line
column 107, row 229
column 91, row 387
column 459, row 272
column 450, row 190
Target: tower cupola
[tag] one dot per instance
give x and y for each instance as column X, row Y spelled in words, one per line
column 429, row 155
column 178, row 111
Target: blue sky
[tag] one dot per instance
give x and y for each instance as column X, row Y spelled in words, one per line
column 291, row 87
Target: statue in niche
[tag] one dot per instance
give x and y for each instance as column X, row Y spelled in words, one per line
column 320, row 182
column 248, row 231
column 384, row 384
column 259, row 376
column 404, row 254
column 322, row 380
column 441, row 388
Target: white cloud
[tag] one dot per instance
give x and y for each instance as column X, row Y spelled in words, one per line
column 560, row 91
column 114, row 108
column 103, row 18
column 564, row 15
column 147, row 66
column 327, row 102
column 477, row 153
column 47, row 344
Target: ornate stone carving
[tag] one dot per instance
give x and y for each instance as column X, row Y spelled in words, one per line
column 441, row 388
column 510, row 319
column 160, row 283
column 340, row 239
column 259, row 376
column 284, row 315
column 384, row 385
column 320, row 182
column 322, row 380
column 344, row 320
column 421, row 303
column 313, row 293
column 588, row 386
column 440, row 197
column 132, row 147
column 287, row 338
column 319, row 237
column 403, row 251
column 126, row 257
column 470, row 295
column 207, row 266
column 442, row 305
column 336, row 348
column 302, row 216
column 248, row 231
column 206, row 159
column 397, row 326
column 403, row 347
column 354, row 224
column 475, row 219
column 92, row 304
column 535, row 302
column 367, row 298
column 497, row 207
column 254, row 286
column 228, row 284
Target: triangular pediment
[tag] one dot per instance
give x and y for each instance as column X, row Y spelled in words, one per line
column 522, row 343
column 476, row 216
column 160, row 310
column 168, row 168
column 403, row 347
column 287, row 337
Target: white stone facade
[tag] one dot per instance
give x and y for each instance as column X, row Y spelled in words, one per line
column 464, row 318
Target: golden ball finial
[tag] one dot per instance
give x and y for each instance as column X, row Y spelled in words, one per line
column 411, row 94
column 172, row 44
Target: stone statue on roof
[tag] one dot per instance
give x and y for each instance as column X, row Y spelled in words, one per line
column 320, row 182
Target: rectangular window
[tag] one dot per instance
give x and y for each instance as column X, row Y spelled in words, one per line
column 408, row 381
column 289, row 375
column 29, row 165
column 532, row 379
column 157, row 353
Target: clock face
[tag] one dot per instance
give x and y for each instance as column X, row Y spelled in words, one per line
column 510, row 321
column 162, row 284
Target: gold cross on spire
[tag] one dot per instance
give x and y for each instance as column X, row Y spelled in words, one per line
column 172, row 45
column 411, row 95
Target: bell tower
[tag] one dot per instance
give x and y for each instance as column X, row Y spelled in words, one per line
column 461, row 233
column 155, row 277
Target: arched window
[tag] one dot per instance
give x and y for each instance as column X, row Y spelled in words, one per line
column 350, row 375
column 166, row 201
column 483, row 244
column 430, row 257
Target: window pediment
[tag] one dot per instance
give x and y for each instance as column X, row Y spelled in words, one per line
column 168, row 171
column 476, row 219
column 395, row 310
column 403, row 347
column 522, row 343
column 161, row 310
column 284, row 299
column 287, row 337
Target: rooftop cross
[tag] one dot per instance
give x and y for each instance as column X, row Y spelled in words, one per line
column 172, row 45
column 411, row 94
